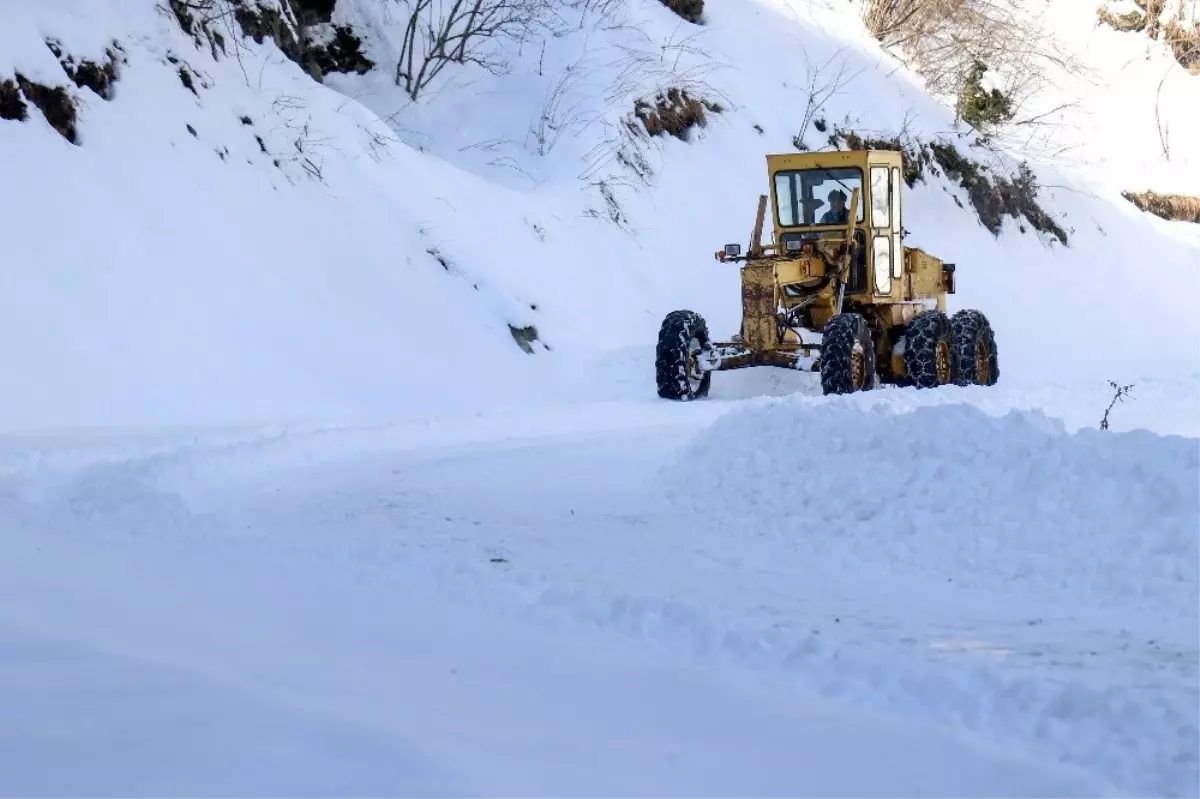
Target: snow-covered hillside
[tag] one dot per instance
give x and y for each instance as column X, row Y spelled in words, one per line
column 331, row 463
column 262, row 246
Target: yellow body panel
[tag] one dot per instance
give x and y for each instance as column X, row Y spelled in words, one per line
column 924, row 277
column 799, row 270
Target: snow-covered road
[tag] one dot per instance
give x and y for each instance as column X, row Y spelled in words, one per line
column 535, row 602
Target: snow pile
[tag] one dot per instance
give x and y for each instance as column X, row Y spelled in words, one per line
column 1010, row 503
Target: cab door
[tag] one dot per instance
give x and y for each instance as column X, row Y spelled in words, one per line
column 886, row 252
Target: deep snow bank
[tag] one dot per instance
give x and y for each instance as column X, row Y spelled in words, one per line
column 1009, row 503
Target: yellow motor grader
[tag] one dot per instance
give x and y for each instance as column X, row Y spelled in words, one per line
column 835, row 291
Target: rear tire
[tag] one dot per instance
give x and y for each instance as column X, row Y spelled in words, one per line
column 929, row 350
column 974, row 349
column 847, row 355
column 681, row 338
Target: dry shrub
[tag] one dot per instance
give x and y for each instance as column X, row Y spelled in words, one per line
column 690, row 10
column 675, row 113
column 1175, row 207
column 1153, row 9
column 888, row 20
column 1134, row 21
column 1184, row 44
column 342, row 53
column 997, row 196
column 944, row 39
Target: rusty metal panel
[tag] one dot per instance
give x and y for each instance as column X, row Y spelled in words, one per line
column 758, row 305
column 925, row 276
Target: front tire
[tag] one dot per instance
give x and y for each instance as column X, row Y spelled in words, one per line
column 681, row 338
column 929, row 350
column 847, row 355
column 974, row 349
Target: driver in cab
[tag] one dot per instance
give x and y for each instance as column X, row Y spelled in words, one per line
column 837, row 213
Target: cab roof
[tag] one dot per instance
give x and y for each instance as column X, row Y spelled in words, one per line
column 835, row 158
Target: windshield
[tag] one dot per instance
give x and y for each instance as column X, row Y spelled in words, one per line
column 808, row 197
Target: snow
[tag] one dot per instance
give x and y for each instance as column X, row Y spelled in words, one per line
column 619, row 639
column 284, row 509
column 1010, row 502
column 408, row 698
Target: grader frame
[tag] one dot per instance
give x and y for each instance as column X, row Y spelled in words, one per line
column 843, row 298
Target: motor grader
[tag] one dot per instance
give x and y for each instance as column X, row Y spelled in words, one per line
column 835, row 291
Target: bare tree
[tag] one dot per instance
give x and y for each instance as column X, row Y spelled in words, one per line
column 942, row 39
column 443, row 32
column 1120, row 392
column 891, row 21
column 823, row 81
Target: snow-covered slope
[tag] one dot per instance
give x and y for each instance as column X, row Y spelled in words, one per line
column 263, row 246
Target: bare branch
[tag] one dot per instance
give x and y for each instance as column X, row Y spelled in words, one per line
column 943, row 38
column 439, row 33
column 1164, row 130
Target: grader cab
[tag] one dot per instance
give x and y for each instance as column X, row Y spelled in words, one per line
column 835, row 291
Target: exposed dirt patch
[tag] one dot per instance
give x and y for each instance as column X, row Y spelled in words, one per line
column 343, row 53
column 56, row 104
column 997, row 196
column 99, row 76
column 185, row 77
column 525, row 337
column 314, row 12
column 305, row 36
column 301, row 29
column 12, row 104
column 690, row 10
column 198, row 18
column 261, row 23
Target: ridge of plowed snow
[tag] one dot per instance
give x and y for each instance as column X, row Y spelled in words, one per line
column 1009, row 503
